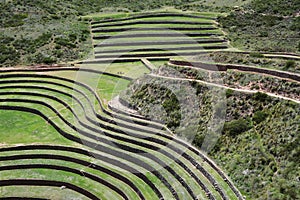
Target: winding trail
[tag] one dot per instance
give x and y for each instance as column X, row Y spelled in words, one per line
column 226, row 87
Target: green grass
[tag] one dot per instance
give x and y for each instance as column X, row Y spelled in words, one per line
column 47, row 174
column 26, row 128
column 41, row 192
column 106, row 86
column 154, row 39
column 109, row 87
column 164, row 18
column 128, row 69
column 103, row 16
column 157, row 64
column 50, row 174
column 216, row 31
column 133, row 47
column 161, row 26
column 148, row 193
column 178, row 52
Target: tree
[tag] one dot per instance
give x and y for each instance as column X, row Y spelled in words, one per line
column 236, row 127
column 290, row 64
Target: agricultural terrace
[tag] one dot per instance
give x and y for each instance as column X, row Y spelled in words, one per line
column 155, row 36
column 62, row 139
column 89, row 151
column 66, row 143
column 64, row 136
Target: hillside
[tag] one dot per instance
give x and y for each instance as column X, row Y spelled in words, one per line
column 265, row 26
column 257, row 145
column 149, row 100
column 36, row 32
column 40, row 32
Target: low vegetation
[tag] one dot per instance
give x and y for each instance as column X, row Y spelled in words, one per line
column 240, row 80
column 51, row 42
column 261, row 160
column 255, row 148
column 252, row 59
column 264, row 26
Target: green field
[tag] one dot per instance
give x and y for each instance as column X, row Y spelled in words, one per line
column 106, row 88
column 20, row 128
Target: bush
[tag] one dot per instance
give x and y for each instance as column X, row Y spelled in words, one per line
column 13, row 20
column 49, row 60
column 290, row 64
column 261, row 97
column 259, row 117
column 64, row 42
column 263, row 34
column 236, row 127
column 256, row 55
column 42, row 58
column 8, row 56
column 229, row 93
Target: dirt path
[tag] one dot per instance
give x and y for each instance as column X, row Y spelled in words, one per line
column 148, row 64
column 226, row 87
column 280, row 55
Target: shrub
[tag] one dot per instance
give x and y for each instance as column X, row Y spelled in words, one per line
column 42, row 58
column 236, row 127
column 263, row 34
column 229, row 93
column 261, row 97
column 48, row 60
column 13, row 20
column 259, row 117
column 64, row 42
column 256, row 55
column 42, row 40
column 8, row 55
column 290, row 64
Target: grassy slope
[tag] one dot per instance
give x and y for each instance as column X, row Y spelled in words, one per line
column 263, row 160
column 25, row 128
column 20, row 120
column 128, row 69
column 45, row 33
column 41, row 192
column 107, row 87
